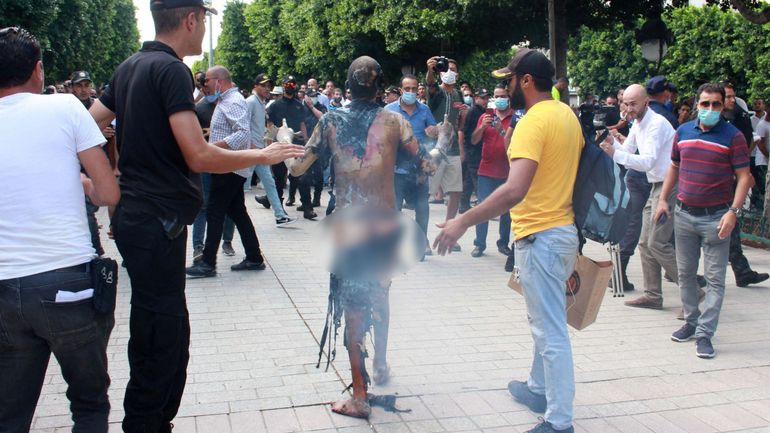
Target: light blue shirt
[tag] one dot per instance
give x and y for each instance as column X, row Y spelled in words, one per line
column 257, row 120
column 420, row 119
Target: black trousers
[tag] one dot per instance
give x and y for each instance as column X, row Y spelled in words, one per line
column 470, row 181
column 226, row 198
column 280, row 173
column 93, row 226
column 158, row 347
column 312, row 179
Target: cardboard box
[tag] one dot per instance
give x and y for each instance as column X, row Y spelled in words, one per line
column 584, row 290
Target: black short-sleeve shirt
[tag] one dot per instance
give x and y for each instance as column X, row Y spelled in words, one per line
column 290, row 109
column 144, row 91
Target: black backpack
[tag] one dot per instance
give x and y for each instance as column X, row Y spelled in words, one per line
column 600, row 199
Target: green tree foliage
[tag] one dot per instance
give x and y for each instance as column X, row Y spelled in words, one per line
column 710, row 45
column 202, row 65
column 95, row 35
column 235, row 47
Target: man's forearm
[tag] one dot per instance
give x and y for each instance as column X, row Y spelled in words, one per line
column 672, row 178
column 501, row 200
column 745, row 182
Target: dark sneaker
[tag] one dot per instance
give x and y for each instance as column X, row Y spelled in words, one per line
column 685, row 333
column 309, row 215
column 751, row 278
column 704, row 349
column 546, row 427
column 280, row 222
column 504, row 250
column 201, row 269
column 645, row 301
column 477, row 252
column 522, row 394
column 227, row 249
column 197, row 253
column 456, row 248
column 248, row 265
column 262, row 199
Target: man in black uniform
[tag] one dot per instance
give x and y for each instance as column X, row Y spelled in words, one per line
column 290, row 108
column 162, row 150
column 472, row 152
column 314, row 178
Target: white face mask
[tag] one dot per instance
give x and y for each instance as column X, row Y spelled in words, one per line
column 449, row 77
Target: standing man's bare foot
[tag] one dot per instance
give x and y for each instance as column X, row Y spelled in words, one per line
column 352, row 407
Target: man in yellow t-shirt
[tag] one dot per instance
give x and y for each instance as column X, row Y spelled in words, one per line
column 544, row 153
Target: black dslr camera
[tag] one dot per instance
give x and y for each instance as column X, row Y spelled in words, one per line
column 442, row 64
column 202, row 81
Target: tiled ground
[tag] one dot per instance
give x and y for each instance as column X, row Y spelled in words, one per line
column 458, row 335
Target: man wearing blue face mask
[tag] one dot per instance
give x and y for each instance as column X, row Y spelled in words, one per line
column 707, row 157
column 411, row 183
column 493, row 169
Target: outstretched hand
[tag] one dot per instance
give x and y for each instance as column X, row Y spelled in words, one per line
column 451, row 231
column 278, row 152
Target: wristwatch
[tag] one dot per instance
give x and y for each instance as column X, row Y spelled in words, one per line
column 737, row 211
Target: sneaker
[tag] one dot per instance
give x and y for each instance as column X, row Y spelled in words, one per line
column 504, row 250
column 685, row 333
column 262, row 199
column 197, row 253
column 751, row 278
column 546, row 427
column 227, row 249
column 201, row 269
column 477, row 252
column 704, row 349
column 280, row 222
column 645, row 301
column 522, row 394
column 248, row 265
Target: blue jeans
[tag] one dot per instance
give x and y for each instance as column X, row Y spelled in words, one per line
column 199, row 225
column 694, row 233
column 407, row 188
column 32, row 326
column 268, row 183
column 545, row 261
column 487, row 185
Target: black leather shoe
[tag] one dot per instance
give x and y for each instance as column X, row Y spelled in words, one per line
column 201, row 269
column 477, row 252
column 262, row 199
column 310, row 215
column 248, row 265
column 290, row 202
column 317, row 202
column 751, row 278
column 504, row 250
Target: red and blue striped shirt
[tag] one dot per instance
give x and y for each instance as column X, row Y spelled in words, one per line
column 707, row 162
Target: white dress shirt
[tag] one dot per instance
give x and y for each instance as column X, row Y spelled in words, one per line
column 653, row 136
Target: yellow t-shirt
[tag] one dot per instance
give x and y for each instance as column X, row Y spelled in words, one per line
column 550, row 135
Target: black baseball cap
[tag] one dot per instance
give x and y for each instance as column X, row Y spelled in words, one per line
column 526, row 61
column 159, row 5
column 289, row 79
column 657, row 84
column 263, row 78
column 483, row 93
column 79, row 76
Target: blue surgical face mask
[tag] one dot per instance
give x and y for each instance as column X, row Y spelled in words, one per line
column 708, row 118
column 409, row 98
column 468, row 100
column 213, row 98
column 501, row 104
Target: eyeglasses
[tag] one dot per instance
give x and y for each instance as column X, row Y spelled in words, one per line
column 710, row 104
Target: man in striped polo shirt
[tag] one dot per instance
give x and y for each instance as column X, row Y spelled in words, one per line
column 708, row 156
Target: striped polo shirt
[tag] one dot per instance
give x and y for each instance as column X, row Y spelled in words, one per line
column 707, row 162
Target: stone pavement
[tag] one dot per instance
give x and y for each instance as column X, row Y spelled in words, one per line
column 458, row 335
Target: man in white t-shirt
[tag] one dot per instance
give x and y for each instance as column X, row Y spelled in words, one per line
column 759, row 152
column 45, row 245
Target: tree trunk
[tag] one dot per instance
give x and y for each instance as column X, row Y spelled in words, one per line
column 756, row 17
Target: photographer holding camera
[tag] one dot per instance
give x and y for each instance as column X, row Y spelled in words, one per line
column 446, row 101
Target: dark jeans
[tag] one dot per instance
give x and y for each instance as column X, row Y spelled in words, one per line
column 199, row 225
column 486, row 186
column 226, row 198
column 280, row 173
column 407, row 188
column 639, row 189
column 738, row 261
column 312, row 179
column 158, row 348
column 32, row 326
column 470, row 182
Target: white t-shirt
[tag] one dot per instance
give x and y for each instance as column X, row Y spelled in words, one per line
column 43, row 222
column 761, row 130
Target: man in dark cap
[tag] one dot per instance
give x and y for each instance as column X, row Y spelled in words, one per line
column 544, row 152
column 161, row 151
column 659, row 92
column 363, row 140
column 81, row 87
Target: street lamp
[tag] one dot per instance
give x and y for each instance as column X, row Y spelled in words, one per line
column 654, row 38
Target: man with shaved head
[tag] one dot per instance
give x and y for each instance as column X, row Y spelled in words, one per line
column 652, row 135
column 363, row 141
